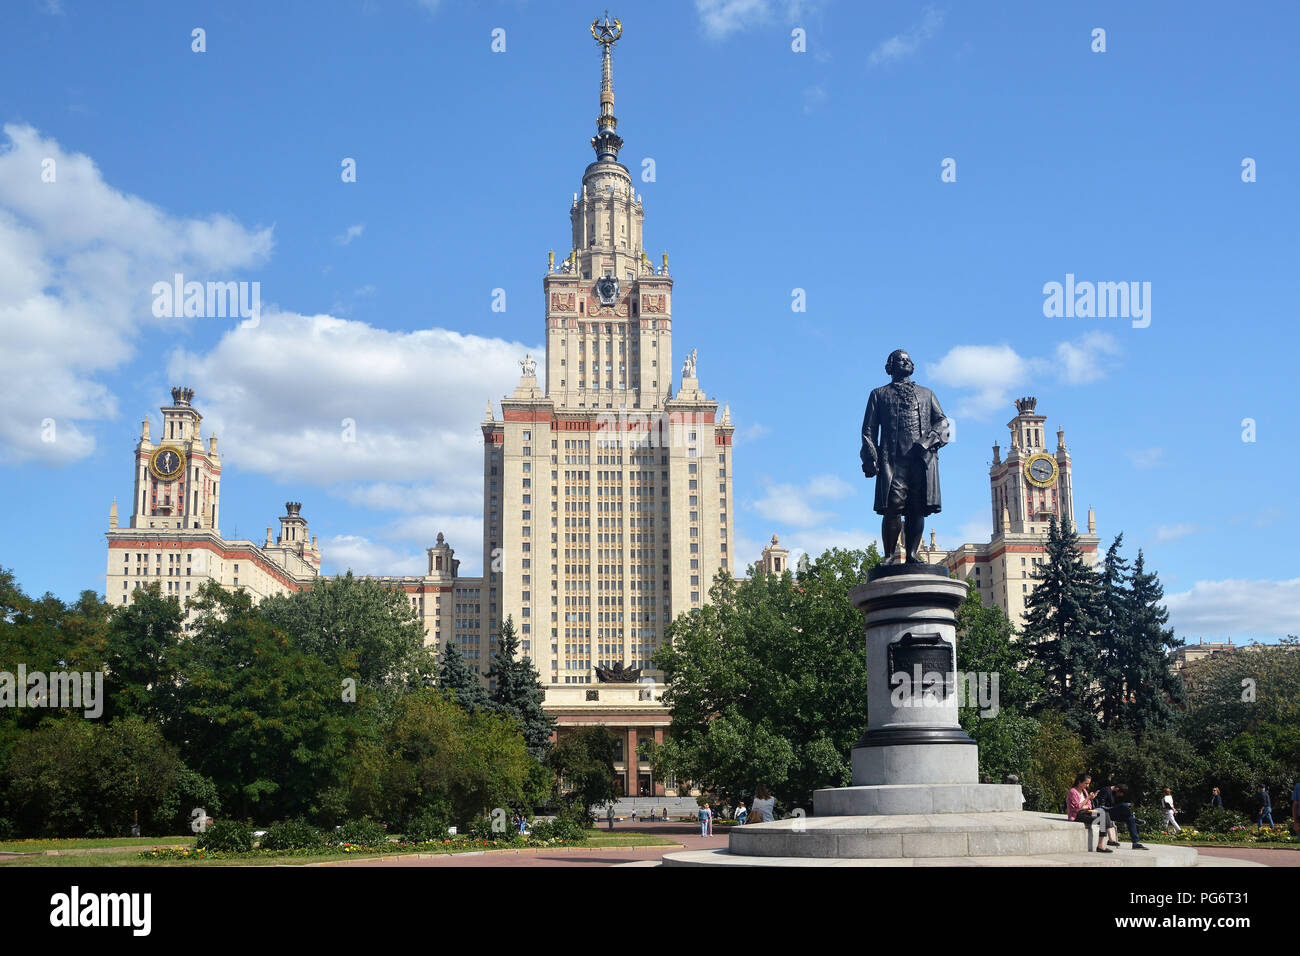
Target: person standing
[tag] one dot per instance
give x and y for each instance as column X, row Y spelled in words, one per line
column 1171, row 811
column 741, row 814
column 706, row 821
column 634, row 814
column 609, row 815
column 763, row 809
column 1265, row 811
column 1295, row 808
column 1216, row 799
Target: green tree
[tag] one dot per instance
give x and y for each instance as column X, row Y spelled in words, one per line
column 583, row 764
column 349, row 621
column 987, row 647
column 1229, row 694
column 767, row 682
column 77, row 778
column 1062, row 620
column 436, row 754
column 1113, row 635
column 1056, row 756
column 518, row 692
column 261, row 718
column 454, row 675
column 140, row 655
column 1154, row 690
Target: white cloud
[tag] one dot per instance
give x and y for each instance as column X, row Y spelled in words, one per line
column 752, row 432
column 791, row 505
column 1080, row 362
column 995, row 372
column 813, row 541
column 903, row 45
column 352, row 232
column 78, row 260
column 1236, row 607
column 721, row 18
column 346, row 552
column 321, row 399
column 991, row 371
column 1172, row 532
column 1145, row 459
column 813, row 97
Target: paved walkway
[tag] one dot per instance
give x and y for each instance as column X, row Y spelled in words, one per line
column 684, row 835
column 1264, row 855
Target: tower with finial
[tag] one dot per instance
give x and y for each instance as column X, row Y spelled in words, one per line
column 1028, row 488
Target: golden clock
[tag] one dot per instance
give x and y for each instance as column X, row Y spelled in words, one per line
column 1041, row 470
column 167, row 463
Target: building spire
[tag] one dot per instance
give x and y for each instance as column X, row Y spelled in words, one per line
column 606, row 142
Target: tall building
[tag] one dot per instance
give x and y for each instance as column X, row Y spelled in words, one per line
column 1027, row 489
column 174, row 535
column 607, row 496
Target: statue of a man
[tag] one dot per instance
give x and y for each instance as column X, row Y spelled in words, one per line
column 902, row 430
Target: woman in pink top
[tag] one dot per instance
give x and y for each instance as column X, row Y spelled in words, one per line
column 1078, row 806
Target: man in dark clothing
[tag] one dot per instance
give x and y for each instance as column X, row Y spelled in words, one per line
column 1123, row 812
column 1265, row 811
column 1106, row 800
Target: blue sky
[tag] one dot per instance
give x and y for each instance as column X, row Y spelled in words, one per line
column 775, row 170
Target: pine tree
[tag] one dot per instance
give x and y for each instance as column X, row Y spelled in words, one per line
column 1154, row 688
column 455, row 675
column 519, row 692
column 1061, row 627
column 1113, row 635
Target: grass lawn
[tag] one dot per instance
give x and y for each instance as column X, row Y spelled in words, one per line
column 38, row 846
column 596, row 840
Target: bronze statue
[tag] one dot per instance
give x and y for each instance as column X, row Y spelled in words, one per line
column 902, row 431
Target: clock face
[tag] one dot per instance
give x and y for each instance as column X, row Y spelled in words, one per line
column 1041, row 470
column 607, row 289
column 167, row 463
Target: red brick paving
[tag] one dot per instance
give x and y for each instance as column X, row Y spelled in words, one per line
column 1265, row 855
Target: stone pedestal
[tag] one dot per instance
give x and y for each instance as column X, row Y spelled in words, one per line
column 915, row 798
column 913, row 735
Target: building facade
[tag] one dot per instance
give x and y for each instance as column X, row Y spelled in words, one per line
column 173, row 535
column 1028, row 488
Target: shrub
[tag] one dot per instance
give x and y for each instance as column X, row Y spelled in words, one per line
column 226, row 836
column 427, row 825
column 542, row 831
column 362, row 833
column 292, row 835
column 481, row 829
column 570, row 828
column 1218, row 820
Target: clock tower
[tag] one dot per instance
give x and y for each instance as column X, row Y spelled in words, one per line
column 1032, row 484
column 1028, row 488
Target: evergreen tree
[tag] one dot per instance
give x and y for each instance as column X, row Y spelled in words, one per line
column 455, row 675
column 1155, row 691
column 1113, row 635
column 1061, row 627
column 519, row 692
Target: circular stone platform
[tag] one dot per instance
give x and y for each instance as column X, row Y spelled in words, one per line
column 893, row 799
